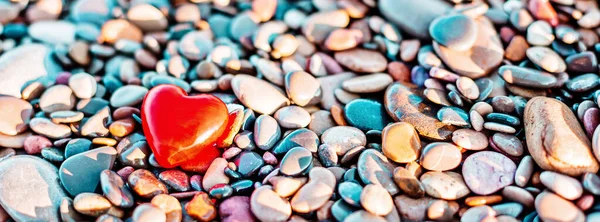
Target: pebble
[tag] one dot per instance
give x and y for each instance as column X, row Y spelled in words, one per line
column 254, row 93
column 66, row 116
column 440, row 156
column 374, row 168
column 403, row 103
column 343, row 39
column 78, row 174
column 550, row 207
column 412, row 17
column 582, row 83
column 266, row 132
column 215, row 174
column 591, row 183
column 201, row 208
column 344, row 138
column 93, row 204
column 563, row 185
column 129, row 95
column 57, row 98
column 517, row 49
column 470, row 139
column 114, row 189
column 524, row 171
column 118, row 29
column 509, row 144
column 287, row 186
column 519, row 195
column 546, row 59
column 145, row 184
column 583, row 62
column 400, row 142
column 20, row 179
column 444, row 31
column 436, row 96
column 499, row 127
column 15, row 115
column 408, row 183
column 444, row 185
column 527, row 77
column 487, row 48
column 302, row 88
column 95, row 125
column 292, row 117
column 49, row 129
column 570, row 151
column 320, row 122
column 361, row 60
column 35, row 144
column 412, row 209
column 479, row 213
column 486, row 172
column 296, row 161
column 236, row 208
column 376, row 200
column 442, row 210
column 362, row 215
column 453, row 116
column 539, row 33
column 175, row 179
column 329, row 84
column 266, row 205
column 84, row 85
column 318, row 25
column 248, row 163
column 467, row 87
column 314, row 194
column 147, row 212
column 52, row 32
column 351, row 193
column 366, row 115
column 297, row 138
column 367, row 83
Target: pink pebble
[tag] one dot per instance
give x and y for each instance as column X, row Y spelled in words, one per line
column 35, row 144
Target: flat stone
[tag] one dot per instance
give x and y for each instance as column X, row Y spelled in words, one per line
column 453, row 116
column 49, row 129
column 129, row 95
column 412, row 209
column 145, row 184
column 440, row 156
column 344, row 138
column 485, row 55
column 376, row 200
column 53, row 32
column 266, row 132
column 362, row 215
column 583, row 62
column 550, row 207
column 292, row 117
column 509, row 144
column 374, row 168
column 444, row 185
column 524, row 171
column 400, row 142
column 248, row 163
column 368, row 83
column 266, row 205
column 403, row 102
column 361, row 60
column 57, row 98
column 115, row 189
column 467, row 87
column 117, row 29
column 66, row 116
column 302, row 88
column 483, row 212
column 318, row 25
column 582, row 83
column 79, row 173
column 546, row 59
column 201, row 208
column 297, row 138
column 413, row 17
column 20, row 196
column 236, row 208
column 146, row 212
column 539, row 33
column 215, row 174
column 287, row 186
column 457, row 32
column 14, row 115
column 366, row 115
column 470, row 139
column 486, row 172
column 95, row 125
column 93, row 204
column 321, row 121
column 563, row 185
column 254, row 92
column 147, row 17
column 350, row 192
column 555, row 138
column 296, row 161
column 527, row 77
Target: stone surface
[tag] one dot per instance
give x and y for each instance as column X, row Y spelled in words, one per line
column 413, row 17
column 486, row 172
column 80, row 173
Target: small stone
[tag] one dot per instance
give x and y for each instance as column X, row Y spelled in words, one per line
column 550, row 206
column 344, row 138
column 15, row 114
column 480, row 213
column 527, row 77
column 467, row 87
column 35, row 144
column 296, row 161
column 366, row 114
column 316, row 192
column 519, row 195
column 201, row 208
column 374, row 168
column 486, row 172
column 524, row 171
column 343, row 39
column 457, row 32
column 440, row 156
column 539, row 33
column 361, row 60
column 215, row 174
column 57, row 98
column 84, row 85
column 470, row 139
column 368, row 83
column 117, row 29
column 66, row 116
column 376, row 200
column 444, row 185
column 266, row 132
column 254, row 92
column 563, row 185
column 248, row 163
column 266, row 205
column 147, row 212
column 292, row 117
column 509, row 144
column 129, row 95
column 297, row 138
column 145, row 184
column 453, row 116
column 93, row 204
column 287, row 186
column 546, row 59
column 114, row 189
column 582, row 83
column 95, row 125
column 400, row 142
column 236, row 208
column 175, row 179
column 408, row 182
column 302, row 88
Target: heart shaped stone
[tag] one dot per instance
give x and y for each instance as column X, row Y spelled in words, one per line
column 182, row 129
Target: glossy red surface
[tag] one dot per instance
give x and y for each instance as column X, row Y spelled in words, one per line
column 182, row 129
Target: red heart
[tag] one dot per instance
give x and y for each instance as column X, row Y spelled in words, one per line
column 182, row 129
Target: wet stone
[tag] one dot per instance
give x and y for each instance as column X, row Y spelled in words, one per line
column 35, row 144
column 453, row 116
column 94, row 205
column 546, row 59
column 236, row 208
column 368, row 83
column 129, row 95
column 146, row 211
column 527, row 77
column 201, row 208
column 145, row 184
column 296, row 161
column 266, row 205
column 344, row 138
column 440, row 156
column 400, row 142
column 584, row 62
column 176, row 179
column 374, row 168
column 66, row 116
column 115, row 189
column 292, row 117
column 582, row 83
column 486, row 172
column 57, row 98
column 220, row 191
column 297, row 138
column 509, row 144
column 457, row 32
column 366, row 115
column 470, row 139
column 408, row 183
column 350, row 192
column 444, row 185
column 316, row 192
column 248, row 163
column 376, row 200
column 79, row 173
column 503, row 119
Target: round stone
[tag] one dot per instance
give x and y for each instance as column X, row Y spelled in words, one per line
column 79, row 173
column 546, row 59
column 84, row 85
column 563, row 185
column 366, row 114
column 114, row 189
column 129, row 95
column 361, row 60
column 57, row 98
column 467, row 87
column 376, row 200
column 302, row 88
column 258, row 94
column 444, row 185
column 374, row 168
column 351, row 193
column 368, row 83
column 400, row 142
column 15, row 115
column 457, row 31
column 296, row 161
column 266, row 205
column 470, row 139
column 509, row 144
column 292, row 117
column 145, row 184
column 440, row 156
column 147, row 212
column 316, row 192
column 49, row 129
column 344, row 138
column 147, row 17
column 550, row 207
column 486, row 172
column 266, row 132
column 215, row 174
